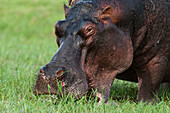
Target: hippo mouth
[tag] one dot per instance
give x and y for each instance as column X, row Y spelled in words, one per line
column 60, row 81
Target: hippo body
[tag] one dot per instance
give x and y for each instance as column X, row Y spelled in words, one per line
column 101, row 40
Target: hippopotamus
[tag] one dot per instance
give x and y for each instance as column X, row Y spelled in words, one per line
column 100, row 40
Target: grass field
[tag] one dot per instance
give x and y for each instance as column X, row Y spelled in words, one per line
column 27, row 42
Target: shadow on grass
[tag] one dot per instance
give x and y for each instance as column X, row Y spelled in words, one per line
column 123, row 90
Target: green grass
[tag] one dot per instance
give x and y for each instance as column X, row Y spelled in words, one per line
column 27, row 42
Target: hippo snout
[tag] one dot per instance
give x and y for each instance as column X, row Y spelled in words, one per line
column 46, row 82
column 51, row 77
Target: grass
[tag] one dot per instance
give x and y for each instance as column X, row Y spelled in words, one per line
column 27, row 42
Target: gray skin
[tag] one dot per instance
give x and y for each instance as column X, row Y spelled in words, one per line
column 101, row 40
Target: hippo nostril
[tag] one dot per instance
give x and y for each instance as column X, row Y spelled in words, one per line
column 41, row 71
column 59, row 73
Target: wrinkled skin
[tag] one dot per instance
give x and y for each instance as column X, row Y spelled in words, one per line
column 101, row 40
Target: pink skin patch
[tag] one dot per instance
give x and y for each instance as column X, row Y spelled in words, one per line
column 99, row 95
column 62, row 84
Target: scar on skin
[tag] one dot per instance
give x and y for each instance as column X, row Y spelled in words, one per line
column 99, row 95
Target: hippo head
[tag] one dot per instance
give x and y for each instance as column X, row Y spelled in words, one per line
column 92, row 51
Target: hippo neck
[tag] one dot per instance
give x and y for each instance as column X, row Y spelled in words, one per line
column 147, row 38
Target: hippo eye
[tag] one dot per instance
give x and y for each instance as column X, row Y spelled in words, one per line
column 87, row 30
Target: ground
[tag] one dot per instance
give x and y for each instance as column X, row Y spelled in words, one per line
column 27, row 42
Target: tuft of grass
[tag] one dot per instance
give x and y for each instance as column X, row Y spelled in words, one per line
column 27, row 42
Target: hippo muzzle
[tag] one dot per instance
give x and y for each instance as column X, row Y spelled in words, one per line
column 50, row 79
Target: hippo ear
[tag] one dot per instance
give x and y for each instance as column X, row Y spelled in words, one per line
column 106, row 12
column 72, row 2
column 66, row 9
